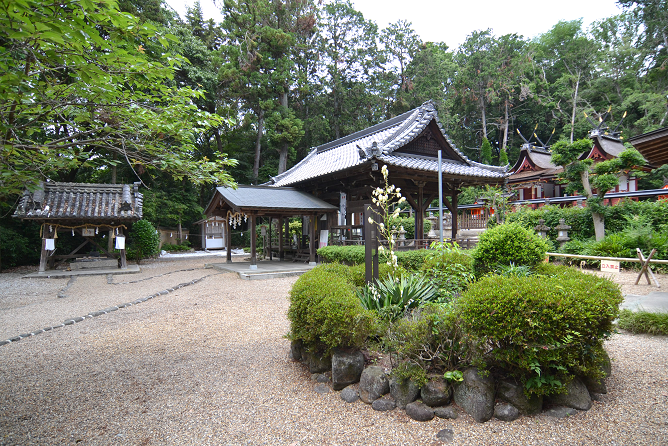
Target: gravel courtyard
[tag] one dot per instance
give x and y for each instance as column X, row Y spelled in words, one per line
column 208, row 364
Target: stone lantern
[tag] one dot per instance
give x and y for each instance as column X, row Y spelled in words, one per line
column 541, row 229
column 563, row 232
column 402, row 236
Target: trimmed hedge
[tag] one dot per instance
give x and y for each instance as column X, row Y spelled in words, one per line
column 542, row 330
column 505, row 244
column 354, row 255
column 450, row 269
column 325, row 312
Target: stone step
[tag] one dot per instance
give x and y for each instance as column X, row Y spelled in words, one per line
column 93, row 264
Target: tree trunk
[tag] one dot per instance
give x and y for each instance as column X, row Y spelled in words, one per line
column 505, row 130
column 484, row 116
column 260, row 129
column 575, row 103
column 283, row 154
column 599, row 225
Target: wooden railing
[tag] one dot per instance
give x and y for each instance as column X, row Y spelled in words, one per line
column 468, row 221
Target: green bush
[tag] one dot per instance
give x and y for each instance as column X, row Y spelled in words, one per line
column 450, row 269
column 143, row 241
column 176, row 248
column 393, row 296
column 384, row 270
column 354, row 255
column 325, row 312
column 654, row 323
column 429, row 337
column 541, row 329
column 505, row 244
column 409, row 225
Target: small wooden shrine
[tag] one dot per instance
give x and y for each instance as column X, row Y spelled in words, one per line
column 84, row 209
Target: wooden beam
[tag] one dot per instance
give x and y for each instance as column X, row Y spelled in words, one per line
column 312, row 241
column 124, row 261
column 228, row 241
column 253, row 236
column 279, row 229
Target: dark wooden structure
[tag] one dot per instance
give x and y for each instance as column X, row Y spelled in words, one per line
column 85, row 209
column 653, row 146
column 408, row 144
column 248, row 203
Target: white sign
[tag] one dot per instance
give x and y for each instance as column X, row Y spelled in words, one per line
column 342, row 208
column 609, row 266
column 120, row 242
column 88, row 232
column 50, row 244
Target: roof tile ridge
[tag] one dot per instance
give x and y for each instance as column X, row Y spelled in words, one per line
column 391, row 143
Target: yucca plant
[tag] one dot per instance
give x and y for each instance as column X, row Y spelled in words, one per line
column 393, row 296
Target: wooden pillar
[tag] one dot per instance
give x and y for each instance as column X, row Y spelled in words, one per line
column 419, row 217
column 455, row 218
column 253, row 236
column 228, row 240
column 312, row 241
column 271, row 256
column 279, row 229
column 124, row 261
column 44, row 256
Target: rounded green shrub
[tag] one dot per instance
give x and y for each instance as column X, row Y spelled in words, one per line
column 450, row 269
column 541, row 329
column 143, row 240
column 506, row 244
column 325, row 312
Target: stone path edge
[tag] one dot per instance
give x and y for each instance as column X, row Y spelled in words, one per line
column 93, row 314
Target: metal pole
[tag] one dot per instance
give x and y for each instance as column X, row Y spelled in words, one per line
column 440, row 197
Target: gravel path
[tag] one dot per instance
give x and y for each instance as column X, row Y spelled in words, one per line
column 208, row 364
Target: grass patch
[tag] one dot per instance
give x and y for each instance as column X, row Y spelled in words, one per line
column 654, row 323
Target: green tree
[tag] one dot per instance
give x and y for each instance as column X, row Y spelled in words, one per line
column 79, row 88
column 486, row 151
column 593, row 179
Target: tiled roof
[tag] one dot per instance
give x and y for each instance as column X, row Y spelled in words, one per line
column 81, row 201
column 260, row 197
column 380, row 142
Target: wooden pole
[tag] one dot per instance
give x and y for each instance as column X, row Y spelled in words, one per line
column 312, row 241
column 279, row 228
column 455, row 219
column 228, row 241
column 44, row 253
column 253, row 236
column 271, row 256
column 124, row 261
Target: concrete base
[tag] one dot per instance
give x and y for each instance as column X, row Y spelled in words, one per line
column 267, row 269
column 654, row 301
column 252, row 267
column 52, row 274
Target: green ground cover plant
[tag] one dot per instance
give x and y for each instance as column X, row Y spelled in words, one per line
column 654, row 323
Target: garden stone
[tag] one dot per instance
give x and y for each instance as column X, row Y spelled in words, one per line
column 321, row 388
column 445, row 435
column 404, row 392
column 598, row 385
column 506, row 412
column 320, row 378
column 373, row 384
column 446, row 412
column 383, row 404
column 560, row 412
column 347, row 368
column 576, row 396
column 350, row 394
column 475, row 394
column 419, row 411
column 296, row 350
column 317, row 364
column 436, row 392
column 514, row 394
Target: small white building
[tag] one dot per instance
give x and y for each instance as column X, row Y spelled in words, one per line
column 213, row 232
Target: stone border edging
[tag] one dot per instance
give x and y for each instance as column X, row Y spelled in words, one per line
column 93, row 314
column 110, row 277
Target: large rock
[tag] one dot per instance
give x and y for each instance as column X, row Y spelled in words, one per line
column 448, row 412
column 296, row 350
column 347, row 368
column 383, row 404
column 436, row 392
column 419, row 411
column 598, row 385
column 475, row 394
column 576, row 396
column 514, row 394
column 317, row 364
column 374, row 383
column 506, row 412
column 560, row 412
column 404, row 391
column 350, row 395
